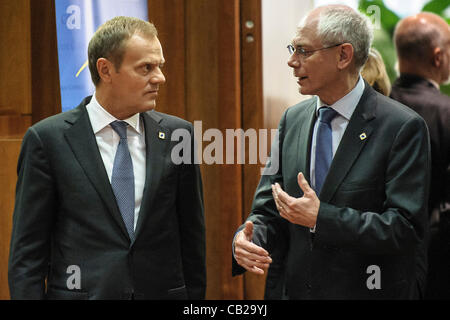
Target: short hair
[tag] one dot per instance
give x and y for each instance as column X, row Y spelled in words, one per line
column 374, row 72
column 110, row 39
column 340, row 24
column 416, row 45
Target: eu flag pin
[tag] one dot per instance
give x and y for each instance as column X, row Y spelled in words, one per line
column 363, row 136
column 162, row 135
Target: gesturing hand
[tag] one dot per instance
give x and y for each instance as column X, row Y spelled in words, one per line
column 302, row 211
column 247, row 254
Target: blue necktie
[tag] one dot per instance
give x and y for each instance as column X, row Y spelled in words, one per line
column 122, row 180
column 324, row 146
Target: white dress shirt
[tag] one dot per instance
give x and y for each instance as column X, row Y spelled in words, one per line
column 108, row 140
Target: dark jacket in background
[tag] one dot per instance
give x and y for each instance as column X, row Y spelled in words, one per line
column 423, row 97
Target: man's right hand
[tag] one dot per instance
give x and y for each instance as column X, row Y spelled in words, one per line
column 247, row 254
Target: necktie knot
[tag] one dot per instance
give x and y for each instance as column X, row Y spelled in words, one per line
column 326, row 114
column 120, row 127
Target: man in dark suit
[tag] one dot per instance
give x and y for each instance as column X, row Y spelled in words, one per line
column 102, row 211
column 345, row 215
column 423, row 48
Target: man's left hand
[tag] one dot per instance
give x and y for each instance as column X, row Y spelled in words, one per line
column 302, row 211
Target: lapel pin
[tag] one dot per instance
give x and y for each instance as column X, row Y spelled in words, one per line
column 162, row 135
column 363, row 136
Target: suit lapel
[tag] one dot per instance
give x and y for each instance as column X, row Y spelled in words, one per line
column 156, row 156
column 304, row 141
column 355, row 138
column 82, row 141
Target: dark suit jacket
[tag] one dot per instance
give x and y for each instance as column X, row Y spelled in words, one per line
column 372, row 211
column 424, row 98
column 434, row 107
column 66, row 215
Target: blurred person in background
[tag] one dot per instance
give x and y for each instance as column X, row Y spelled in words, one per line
column 374, row 72
column 422, row 42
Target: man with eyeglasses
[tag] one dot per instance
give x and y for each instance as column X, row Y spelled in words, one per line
column 345, row 216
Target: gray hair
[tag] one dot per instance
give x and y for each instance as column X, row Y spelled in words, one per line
column 339, row 24
column 110, row 40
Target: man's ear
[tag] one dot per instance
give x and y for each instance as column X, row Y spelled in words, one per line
column 438, row 55
column 345, row 57
column 105, row 69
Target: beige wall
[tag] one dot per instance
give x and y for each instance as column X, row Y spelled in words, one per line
column 280, row 88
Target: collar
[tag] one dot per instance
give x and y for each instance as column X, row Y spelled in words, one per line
column 434, row 83
column 408, row 79
column 347, row 104
column 100, row 118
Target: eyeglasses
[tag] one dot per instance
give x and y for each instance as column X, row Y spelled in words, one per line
column 306, row 53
